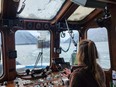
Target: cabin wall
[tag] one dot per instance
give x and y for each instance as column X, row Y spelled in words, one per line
column 112, row 35
column 9, row 55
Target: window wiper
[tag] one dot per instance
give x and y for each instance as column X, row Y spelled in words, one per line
column 22, row 7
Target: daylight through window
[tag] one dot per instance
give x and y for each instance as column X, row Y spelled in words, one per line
column 68, row 49
column 33, row 49
column 99, row 36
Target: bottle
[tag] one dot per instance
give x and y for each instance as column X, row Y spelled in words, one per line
column 73, row 58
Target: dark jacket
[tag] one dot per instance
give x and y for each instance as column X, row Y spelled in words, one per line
column 82, row 77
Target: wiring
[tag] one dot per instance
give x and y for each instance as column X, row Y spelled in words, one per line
column 72, row 38
column 67, row 48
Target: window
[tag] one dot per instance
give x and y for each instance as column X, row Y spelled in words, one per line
column 33, row 49
column 99, row 36
column 67, row 43
column 40, row 9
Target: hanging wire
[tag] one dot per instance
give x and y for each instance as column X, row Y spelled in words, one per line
column 67, row 48
column 72, row 38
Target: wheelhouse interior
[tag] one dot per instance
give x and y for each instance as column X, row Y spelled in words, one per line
column 35, row 33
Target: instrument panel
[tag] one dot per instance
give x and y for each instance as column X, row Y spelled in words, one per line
column 52, row 80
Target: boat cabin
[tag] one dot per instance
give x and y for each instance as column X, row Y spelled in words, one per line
column 39, row 34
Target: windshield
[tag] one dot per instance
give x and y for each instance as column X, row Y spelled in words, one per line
column 40, row 9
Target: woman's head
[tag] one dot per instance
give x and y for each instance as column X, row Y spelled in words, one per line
column 87, row 53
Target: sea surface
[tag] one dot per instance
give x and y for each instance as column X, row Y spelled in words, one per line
column 27, row 54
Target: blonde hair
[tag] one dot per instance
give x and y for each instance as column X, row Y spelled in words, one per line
column 87, row 54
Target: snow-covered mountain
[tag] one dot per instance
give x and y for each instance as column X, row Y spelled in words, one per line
column 24, row 37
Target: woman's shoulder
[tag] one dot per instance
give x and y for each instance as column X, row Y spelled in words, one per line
column 82, row 76
column 78, row 68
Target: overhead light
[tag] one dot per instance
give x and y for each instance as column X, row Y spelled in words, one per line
column 90, row 3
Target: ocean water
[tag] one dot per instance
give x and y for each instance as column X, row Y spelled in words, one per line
column 27, row 54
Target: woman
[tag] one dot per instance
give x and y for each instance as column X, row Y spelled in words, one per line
column 88, row 73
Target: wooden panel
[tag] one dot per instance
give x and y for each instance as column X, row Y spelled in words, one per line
column 9, row 9
column 112, row 35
